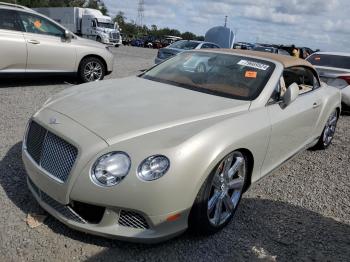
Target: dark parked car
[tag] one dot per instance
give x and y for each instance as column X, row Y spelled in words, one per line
column 270, row 49
column 137, row 42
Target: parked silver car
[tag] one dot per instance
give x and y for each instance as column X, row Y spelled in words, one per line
column 33, row 43
column 181, row 46
column 334, row 69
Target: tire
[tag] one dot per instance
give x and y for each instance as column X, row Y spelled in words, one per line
column 201, row 68
column 91, row 69
column 99, row 39
column 212, row 197
column 328, row 132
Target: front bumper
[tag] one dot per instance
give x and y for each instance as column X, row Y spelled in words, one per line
column 109, row 226
column 345, row 93
column 109, row 59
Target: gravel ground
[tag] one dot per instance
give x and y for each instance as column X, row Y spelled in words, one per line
column 299, row 213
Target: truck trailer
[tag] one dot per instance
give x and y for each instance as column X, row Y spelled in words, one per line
column 85, row 22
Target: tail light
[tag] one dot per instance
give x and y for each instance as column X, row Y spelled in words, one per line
column 345, row 78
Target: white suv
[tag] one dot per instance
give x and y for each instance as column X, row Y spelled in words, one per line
column 33, row 43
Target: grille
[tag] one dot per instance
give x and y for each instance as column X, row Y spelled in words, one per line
column 132, row 219
column 52, row 153
column 65, row 211
column 35, row 138
column 114, row 35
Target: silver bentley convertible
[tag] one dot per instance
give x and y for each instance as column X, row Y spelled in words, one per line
column 146, row 157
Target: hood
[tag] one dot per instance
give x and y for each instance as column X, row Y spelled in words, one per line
column 167, row 52
column 121, row 109
column 173, row 50
column 90, row 43
column 220, row 35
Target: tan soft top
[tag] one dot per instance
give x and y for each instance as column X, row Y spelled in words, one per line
column 286, row 61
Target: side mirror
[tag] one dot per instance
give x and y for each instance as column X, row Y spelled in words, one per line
column 68, row 35
column 290, row 95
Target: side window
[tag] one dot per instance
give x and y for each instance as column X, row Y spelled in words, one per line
column 93, row 23
column 9, row 21
column 302, row 76
column 205, row 46
column 276, row 94
column 214, row 46
column 39, row 25
column 317, row 83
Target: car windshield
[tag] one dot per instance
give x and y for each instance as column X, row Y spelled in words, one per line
column 186, row 45
column 105, row 25
column 218, row 74
column 336, row 61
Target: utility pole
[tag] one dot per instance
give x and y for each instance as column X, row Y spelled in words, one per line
column 140, row 12
column 225, row 21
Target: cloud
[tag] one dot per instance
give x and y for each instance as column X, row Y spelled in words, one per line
column 271, row 15
column 337, row 26
column 316, row 23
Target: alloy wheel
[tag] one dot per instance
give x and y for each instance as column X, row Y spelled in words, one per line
column 93, row 71
column 226, row 189
column 330, row 127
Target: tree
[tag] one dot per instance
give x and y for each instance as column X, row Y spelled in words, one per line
column 188, row 36
column 131, row 29
column 92, row 4
column 103, row 9
column 120, row 19
column 48, row 3
column 29, row 3
column 200, row 38
column 154, row 28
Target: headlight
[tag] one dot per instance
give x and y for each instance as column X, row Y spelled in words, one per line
column 110, row 169
column 153, row 167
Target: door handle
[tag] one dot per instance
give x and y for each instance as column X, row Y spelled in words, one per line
column 315, row 105
column 34, row 42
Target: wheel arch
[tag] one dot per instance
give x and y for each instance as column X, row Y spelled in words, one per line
column 94, row 56
column 249, row 155
column 338, row 111
column 246, row 152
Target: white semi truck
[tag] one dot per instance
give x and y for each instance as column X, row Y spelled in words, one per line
column 85, row 22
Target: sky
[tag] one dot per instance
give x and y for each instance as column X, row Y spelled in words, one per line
column 323, row 24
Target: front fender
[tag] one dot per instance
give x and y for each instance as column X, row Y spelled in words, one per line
column 250, row 131
column 331, row 99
